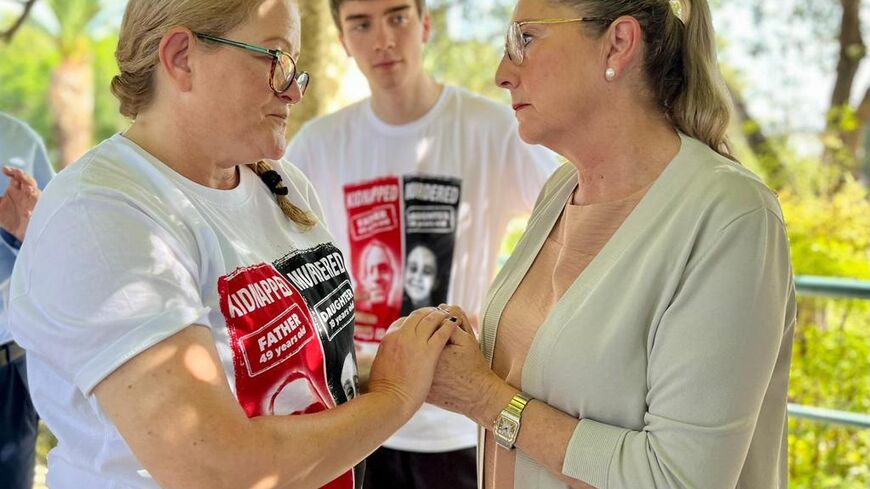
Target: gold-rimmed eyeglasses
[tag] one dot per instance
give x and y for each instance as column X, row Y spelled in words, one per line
column 515, row 45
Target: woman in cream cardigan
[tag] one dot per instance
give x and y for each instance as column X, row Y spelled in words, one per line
column 640, row 335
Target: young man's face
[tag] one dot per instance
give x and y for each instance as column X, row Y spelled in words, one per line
column 385, row 38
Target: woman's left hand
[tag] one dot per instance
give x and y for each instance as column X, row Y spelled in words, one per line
column 463, row 378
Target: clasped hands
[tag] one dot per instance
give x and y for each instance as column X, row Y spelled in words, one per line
column 433, row 355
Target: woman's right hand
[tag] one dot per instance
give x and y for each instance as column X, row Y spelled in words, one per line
column 408, row 354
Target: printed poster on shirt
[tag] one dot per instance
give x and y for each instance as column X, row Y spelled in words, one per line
column 374, row 211
column 291, row 329
column 431, row 210
column 402, row 235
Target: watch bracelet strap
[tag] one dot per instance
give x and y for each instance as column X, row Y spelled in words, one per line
column 518, row 404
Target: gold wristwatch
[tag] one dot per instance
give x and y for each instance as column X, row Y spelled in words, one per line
column 507, row 424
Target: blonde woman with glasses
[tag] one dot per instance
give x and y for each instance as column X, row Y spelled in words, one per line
column 640, row 335
column 188, row 320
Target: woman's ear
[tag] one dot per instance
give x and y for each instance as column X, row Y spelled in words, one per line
column 624, row 45
column 175, row 63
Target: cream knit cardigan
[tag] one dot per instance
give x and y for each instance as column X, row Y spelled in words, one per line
column 673, row 346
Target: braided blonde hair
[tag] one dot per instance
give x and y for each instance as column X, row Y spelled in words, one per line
column 303, row 219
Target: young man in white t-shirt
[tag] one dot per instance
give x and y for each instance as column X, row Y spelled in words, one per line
column 418, row 184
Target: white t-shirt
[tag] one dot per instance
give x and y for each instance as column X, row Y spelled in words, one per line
column 420, row 210
column 123, row 252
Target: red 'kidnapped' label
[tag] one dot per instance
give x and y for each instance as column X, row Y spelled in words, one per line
column 375, row 231
column 277, row 355
column 280, row 357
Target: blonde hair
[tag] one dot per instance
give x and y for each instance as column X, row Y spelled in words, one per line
column 272, row 179
column 144, row 25
column 680, row 62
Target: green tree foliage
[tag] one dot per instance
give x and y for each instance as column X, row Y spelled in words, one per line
column 25, row 82
column 828, row 219
column 107, row 118
column 829, row 233
column 829, row 369
column 73, row 17
column 72, row 87
column 25, row 78
column 30, row 67
column 467, row 53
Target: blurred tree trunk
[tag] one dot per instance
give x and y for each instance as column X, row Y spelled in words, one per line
column 72, row 90
column 322, row 58
column 72, row 104
column 852, row 51
column 846, row 123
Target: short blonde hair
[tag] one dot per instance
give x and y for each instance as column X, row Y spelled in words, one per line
column 144, row 25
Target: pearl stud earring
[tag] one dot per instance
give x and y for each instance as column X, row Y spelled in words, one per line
column 609, row 74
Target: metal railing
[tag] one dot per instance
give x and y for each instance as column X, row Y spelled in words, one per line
column 831, row 287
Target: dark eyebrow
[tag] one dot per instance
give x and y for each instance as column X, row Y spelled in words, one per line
column 351, row 18
column 397, row 9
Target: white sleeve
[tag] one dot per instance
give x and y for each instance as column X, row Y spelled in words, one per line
column 527, row 168
column 98, row 283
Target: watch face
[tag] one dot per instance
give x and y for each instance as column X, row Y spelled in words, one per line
column 506, row 428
